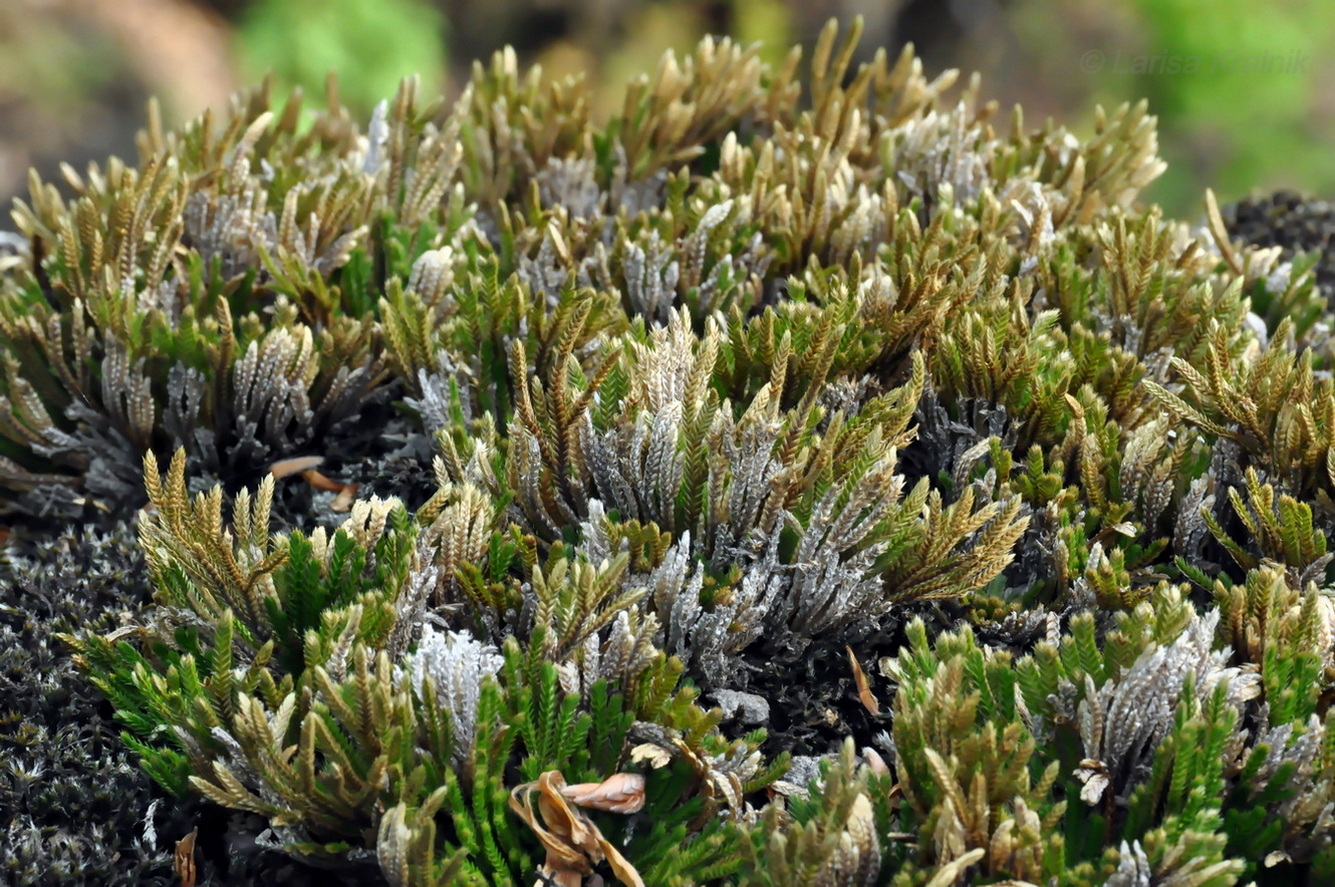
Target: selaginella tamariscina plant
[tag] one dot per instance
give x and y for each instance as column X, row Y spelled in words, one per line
column 810, row 390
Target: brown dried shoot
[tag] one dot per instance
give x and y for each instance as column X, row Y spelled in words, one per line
column 574, row 844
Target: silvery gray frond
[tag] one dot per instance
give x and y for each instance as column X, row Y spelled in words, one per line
column 459, row 534
column 843, row 395
column 640, row 195
column 696, row 636
column 272, row 393
column 1310, row 797
column 231, row 228
column 1133, row 867
column 1035, row 234
column 1148, row 475
column 950, row 148
column 708, row 638
column 377, row 133
column 595, row 540
column 651, row 271
column 432, row 276
column 1123, row 721
column 744, row 469
column 636, row 465
column 637, row 468
column 456, row 664
column 108, row 442
column 548, row 272
column 834, row 581
column 570, row 184
column 1190, row 533
column 617, row 654
column 441, row 389
column 945, row 439
column 187, row 393
column 412, row 608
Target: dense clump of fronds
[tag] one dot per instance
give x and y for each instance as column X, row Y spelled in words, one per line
column 767, row 365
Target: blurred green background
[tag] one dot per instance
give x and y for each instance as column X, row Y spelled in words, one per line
column 1241, row 88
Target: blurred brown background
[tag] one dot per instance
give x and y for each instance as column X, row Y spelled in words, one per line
column 1239, row 86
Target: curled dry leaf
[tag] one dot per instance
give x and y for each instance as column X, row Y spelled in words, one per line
column 343, row 501
column 875, row 763
column 574, row 844
column 618, row 793
column 306, row 466
column 296, row 465
column 320, row 482
column 865, row 695
column 183, row 863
